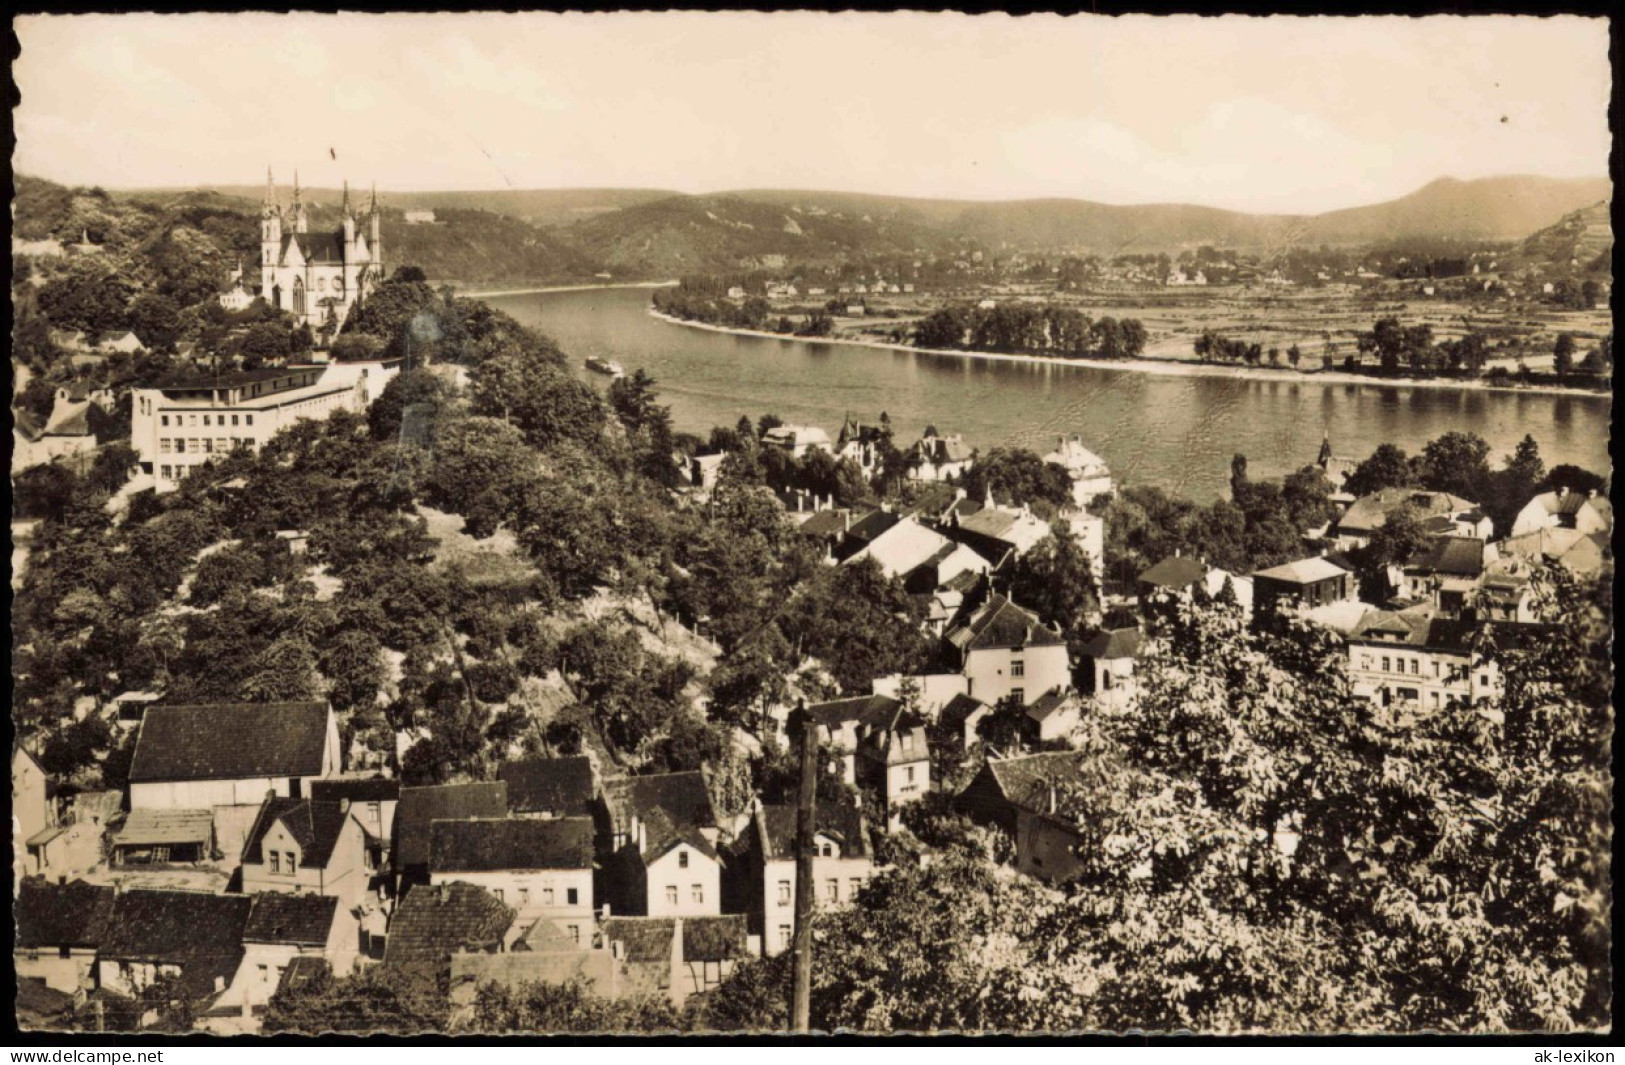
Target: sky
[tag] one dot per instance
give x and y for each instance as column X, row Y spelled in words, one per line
column 1292, row 115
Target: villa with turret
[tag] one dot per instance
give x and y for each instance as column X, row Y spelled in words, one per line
column 318, row 277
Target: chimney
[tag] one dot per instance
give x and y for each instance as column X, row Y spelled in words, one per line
column 1563, row 493
column 220, row 985
column 1591, row 493
column 1052, row 797
column 445, row 893
column 344, row 807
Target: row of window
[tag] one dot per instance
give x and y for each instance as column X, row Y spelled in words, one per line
column 572, row 896
column 174, row 473
column 832, row 890
column 191, row 419
column 205, row 445
column 696, row 893
column 283, row 863
column 1398, row 665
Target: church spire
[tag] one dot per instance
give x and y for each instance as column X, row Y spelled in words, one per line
column 346, row 196
column 270, row 187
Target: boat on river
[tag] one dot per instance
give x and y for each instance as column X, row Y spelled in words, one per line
column 608, row 367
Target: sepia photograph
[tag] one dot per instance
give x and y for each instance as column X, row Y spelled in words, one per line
column 677, row 523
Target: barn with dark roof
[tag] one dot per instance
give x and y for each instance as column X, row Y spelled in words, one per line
column 230, row 754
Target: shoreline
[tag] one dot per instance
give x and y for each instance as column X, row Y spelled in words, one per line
column 1155, row 367
column 559, row 288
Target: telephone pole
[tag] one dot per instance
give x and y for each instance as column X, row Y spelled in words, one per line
column 806, row 804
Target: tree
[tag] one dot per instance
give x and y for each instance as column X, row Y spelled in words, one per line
column 482, row 468
column 859, row 623
column 1016, row 476
column 569, row 1007
column 1387, row 467
column 399, row 1000
column 547, row 404
column 1057, row 578
column 1563, row 356
column 416, row 389
column 1457, row 463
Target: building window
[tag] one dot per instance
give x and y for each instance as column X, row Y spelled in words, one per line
column 575, row 932
column 524, row 896
column 909, row 770
column 682, row 859
column 163, row 445
column 825, row 850
column 193, row 445
column 671, row 894
column 265, row 974
column 1416, row 666
column 1385, row 663
column 375, row 811
column 852, row 887
column 205, row 421
column 1435, row 669
column 234, row 419
column 1019, row 694
column 276, row 862
column 784, row 935
column 293, row 862
column 191, row 419
column 697, row 893
column 222, row 444
column 1018, row 668
column 572, row 896
column 248, row 419
column 498, row 893
column 208, row 446
column 784, row 892
column 832, row 889
column 163, row 419
column 547, row 896
column 167, row 472
column 180, row 446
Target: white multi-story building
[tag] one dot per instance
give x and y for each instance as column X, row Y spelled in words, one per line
column 176, row 428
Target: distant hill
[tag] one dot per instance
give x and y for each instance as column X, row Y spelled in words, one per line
column 538, row 207
column 1497, row 208
column 1582, row 242
column 689, row 234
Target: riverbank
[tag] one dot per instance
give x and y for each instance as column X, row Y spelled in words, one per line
column 478, row 294
column 1155, row 367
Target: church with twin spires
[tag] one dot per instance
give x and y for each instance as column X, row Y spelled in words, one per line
column 317, row 277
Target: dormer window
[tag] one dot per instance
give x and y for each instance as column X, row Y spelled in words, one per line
column 682, row 859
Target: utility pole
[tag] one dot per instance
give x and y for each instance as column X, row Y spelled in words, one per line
column 806, row 804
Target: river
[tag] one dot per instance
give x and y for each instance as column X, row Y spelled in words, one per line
column 1176, row 432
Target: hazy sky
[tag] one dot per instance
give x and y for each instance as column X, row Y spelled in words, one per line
column 1273, row 114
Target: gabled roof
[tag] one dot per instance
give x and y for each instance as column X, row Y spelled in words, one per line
column 1113, row 643
column 1175, row 572
column 492, row 844
column 1459, row 556
column 682, row 797
column 859, row 709
column 1371, row 512
column 1051, row 703
column 560, row 786
column 905, row 547
column 297, row 920
column 435, row 921
column 371, row 789
column 315, row 826
column 316, row 247
column 419, row 807
column 201, row 932
column 1303, row 571
column 159, row 827
column 1572, row 502
column 647, row 940
column 302, row 970
column 872, row 525
column 1001, row 623
column 230, row 741
column 959, row 708
column 825, row 523
column 1025, row 781
column 74, row 914
column 840, row 821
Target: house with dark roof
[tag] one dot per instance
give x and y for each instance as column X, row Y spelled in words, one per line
column 303, row 845
column 1177, row 574
column 922, row 558
column 1109, row 659
column 1053, row 716
column 965, row 715
column 541, row 868
column 231, row 754
column 761, row 873
column 191, row 937
column 1446, row 571
column 1420, row 660
column 280, row 928
column 372, row 803
column 434, row 922
column 842, row 722
column 658, row 835
column 1024, row 796
column 892, row 757
column 1370, row 513
column 941, row 458
column 1005, row 651
column 419, row 808
column 59, row 929
column 1583, row 554
column 676, row 957
column 550, row 787
column 1584, row 512
column 1303, row 584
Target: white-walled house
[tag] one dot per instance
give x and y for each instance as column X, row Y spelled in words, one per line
column 31, row 809
column 1110, row 658
column 194, row 937
column 176, row 427
column 1584, row 512
column 283, row 927
column 662, row 835
column 762, row 868
column 307, row 846
column 1005, row 650
column 231, row 754
column 1089, row 473
column 59, row 928
column 539, row 868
